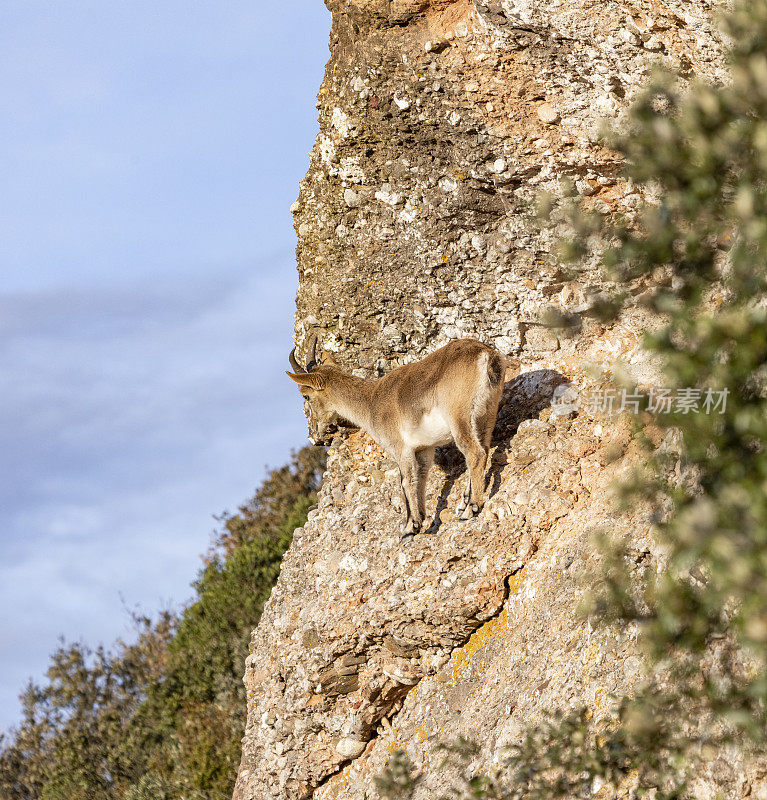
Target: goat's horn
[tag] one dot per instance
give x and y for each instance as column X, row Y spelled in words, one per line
column 293, row 363
column 311, row 361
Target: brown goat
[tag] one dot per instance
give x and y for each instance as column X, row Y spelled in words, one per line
column 451, row 395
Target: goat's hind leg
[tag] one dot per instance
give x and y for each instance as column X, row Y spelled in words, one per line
column 463, row 500
column 483, row 426
column 475, row 453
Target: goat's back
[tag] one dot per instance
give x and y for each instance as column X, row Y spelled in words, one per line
column 449, row 378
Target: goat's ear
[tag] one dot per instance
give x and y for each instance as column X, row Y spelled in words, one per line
column 308, row 379
column 326, row 358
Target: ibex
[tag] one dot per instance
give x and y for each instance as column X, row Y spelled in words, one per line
column 451, row 395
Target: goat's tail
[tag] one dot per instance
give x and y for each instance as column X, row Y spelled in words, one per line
column 491, row 371
column 496, row 368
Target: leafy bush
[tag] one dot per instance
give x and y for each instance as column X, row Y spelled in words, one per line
column 162, row 717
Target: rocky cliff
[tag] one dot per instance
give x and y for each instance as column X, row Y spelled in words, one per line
column 441, row 121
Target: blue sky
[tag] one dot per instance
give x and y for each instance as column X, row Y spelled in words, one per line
column 150, row 153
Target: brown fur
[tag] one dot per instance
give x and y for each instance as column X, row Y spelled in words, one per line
column 451, row 395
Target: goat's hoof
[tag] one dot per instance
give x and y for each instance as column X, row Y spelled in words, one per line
column 470, row 511
column 411, row 528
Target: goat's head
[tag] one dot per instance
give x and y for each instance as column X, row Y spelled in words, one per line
column 314, row 382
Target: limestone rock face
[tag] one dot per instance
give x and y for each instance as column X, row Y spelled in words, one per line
column 441, row 121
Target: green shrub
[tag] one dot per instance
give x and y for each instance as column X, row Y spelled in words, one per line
column 162, row 717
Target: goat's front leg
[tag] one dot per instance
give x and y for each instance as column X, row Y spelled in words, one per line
column 408, row 470
column 425, row 458
column 405, row 501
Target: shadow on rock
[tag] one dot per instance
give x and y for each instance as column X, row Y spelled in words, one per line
column 523, row 398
